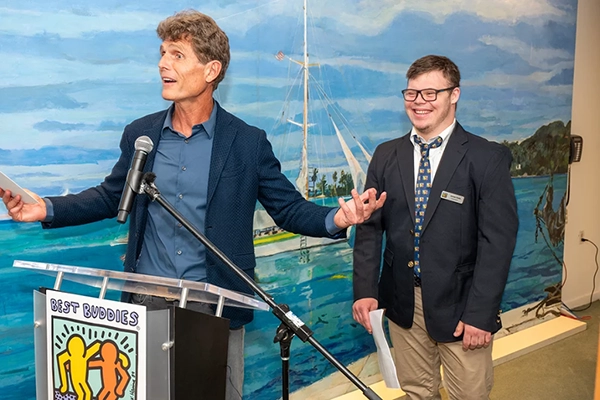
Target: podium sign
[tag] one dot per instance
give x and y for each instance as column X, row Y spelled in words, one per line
column 171, row 354
column 96, row 348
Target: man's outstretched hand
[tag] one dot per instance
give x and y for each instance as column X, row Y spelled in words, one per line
column 359, row 208
column 21, row 211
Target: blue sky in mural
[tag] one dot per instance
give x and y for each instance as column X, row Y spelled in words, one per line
column 75, row 74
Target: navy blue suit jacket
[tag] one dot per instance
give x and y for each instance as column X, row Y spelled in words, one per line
column 243, row 170
column 465, row 249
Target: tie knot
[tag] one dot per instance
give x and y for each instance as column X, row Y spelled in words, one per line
column 437, row 142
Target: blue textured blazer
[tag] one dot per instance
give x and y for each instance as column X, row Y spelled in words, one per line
column 243, row 170
column 466, row 245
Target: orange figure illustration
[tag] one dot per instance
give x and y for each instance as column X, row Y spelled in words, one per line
column 75, row 359
column 113, row 365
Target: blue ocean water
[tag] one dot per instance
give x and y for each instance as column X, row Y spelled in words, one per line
column 319, row 293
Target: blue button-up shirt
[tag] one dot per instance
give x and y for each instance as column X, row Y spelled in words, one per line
column 181, row 167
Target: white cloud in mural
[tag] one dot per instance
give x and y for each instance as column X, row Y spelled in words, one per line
column 558, row 90
column 35, row 70
column 76, row 22
column 367, row 63
column 549, row 63
column 372, row 16
column 545, row 58
column 369, row 17
column 499, row 79
column 70, row 24
column 388, row 103
column 40, row 178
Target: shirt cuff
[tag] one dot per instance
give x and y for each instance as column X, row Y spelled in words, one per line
column 49, row 211
column 331, row 227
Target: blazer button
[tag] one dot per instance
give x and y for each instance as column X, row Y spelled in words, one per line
column 412, row 232
column 411, row 264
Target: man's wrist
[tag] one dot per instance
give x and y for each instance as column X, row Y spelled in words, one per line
column 49, row 211
column 330, row 224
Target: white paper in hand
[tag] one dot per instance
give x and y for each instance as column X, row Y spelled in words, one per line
column 8, row 184
column 384, row 355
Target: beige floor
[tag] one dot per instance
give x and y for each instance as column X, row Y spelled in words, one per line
column 532, row 358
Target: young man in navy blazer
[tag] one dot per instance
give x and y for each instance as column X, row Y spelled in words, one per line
column 213, row 168
column 450, row 223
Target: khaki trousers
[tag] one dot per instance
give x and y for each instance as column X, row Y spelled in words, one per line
column 468, row 375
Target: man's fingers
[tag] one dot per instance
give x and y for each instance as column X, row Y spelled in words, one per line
column 487, row 340
column 481, row 341
column 14, row 206
column 361, row 315
column 475, row 338
column 459, row 329
column 358, row 208
column 360, row 311
column 381, row 201
column 346, row 211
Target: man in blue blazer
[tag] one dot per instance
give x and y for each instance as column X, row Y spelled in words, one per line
column 213, row 168
column 450, row 225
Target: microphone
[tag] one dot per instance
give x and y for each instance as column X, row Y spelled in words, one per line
column 143, row 146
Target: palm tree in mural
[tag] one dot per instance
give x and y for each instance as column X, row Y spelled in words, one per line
column 334, row 177
column 313, row 179
column 323, row 184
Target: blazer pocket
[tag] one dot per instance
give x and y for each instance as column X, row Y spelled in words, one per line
column 465, row 268
column 388, row 257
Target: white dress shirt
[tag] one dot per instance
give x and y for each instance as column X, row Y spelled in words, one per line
column 435, row 154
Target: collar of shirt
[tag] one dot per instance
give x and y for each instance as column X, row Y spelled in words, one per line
column 435, row 154
column 208, row 126
column 445, row 135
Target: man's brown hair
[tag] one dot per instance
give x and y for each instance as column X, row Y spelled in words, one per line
column 432, row 63
column 208, row 40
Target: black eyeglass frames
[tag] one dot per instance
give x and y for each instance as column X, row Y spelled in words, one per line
column 426, row 94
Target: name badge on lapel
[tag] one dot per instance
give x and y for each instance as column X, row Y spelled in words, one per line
column 456, row 198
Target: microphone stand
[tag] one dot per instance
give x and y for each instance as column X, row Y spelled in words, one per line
column 290, row 325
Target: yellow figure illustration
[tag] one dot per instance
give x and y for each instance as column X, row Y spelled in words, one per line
column 75, row 359
column 113, row 365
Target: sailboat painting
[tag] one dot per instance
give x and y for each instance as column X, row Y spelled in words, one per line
column 318, row 179
column 323, row 79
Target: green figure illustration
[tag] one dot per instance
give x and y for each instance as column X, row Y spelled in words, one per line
column 75, row 359
column 113, row 365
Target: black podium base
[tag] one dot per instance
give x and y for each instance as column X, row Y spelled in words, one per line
column 199, row 356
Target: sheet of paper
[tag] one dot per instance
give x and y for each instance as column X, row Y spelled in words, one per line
column 384, row 355
column 8, row 184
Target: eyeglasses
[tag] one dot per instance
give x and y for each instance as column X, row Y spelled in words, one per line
column 426, row 94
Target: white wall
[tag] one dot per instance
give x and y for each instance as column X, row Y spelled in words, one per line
column 583, row 211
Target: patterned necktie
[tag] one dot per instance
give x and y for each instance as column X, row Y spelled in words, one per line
column 422, row 195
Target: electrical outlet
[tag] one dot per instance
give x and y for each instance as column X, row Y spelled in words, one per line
column 580, row 237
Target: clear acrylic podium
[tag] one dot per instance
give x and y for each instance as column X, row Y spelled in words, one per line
column 176, row 365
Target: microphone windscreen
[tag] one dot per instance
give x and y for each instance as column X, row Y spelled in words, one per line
column 144, row 143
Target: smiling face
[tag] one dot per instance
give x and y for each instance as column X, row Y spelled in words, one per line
column 184, row 78
column 430, row 118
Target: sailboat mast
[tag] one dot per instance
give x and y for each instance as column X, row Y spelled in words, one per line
column 305, row 109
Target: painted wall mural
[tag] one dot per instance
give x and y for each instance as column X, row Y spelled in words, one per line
column 76, row 73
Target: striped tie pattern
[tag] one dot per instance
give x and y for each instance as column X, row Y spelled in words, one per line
column 422, row 194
